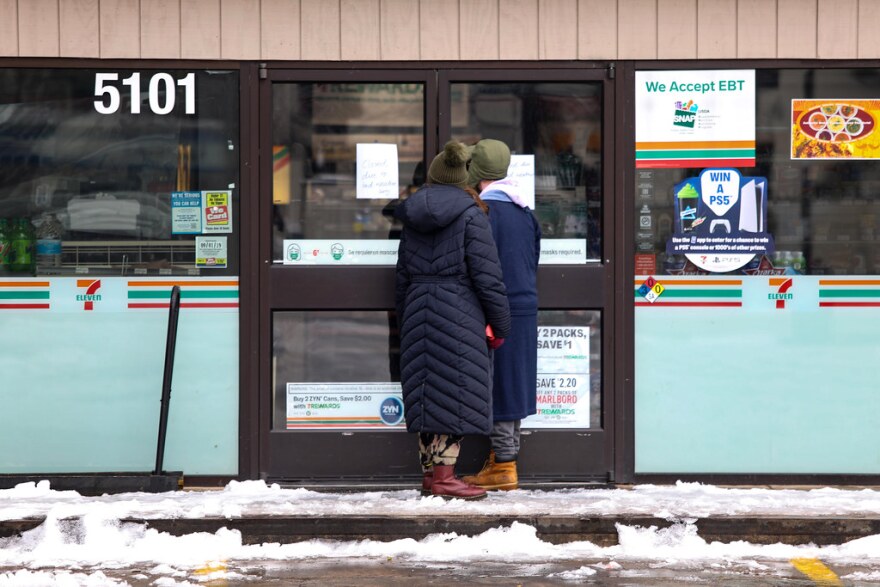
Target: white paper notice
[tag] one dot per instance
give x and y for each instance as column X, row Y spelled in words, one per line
column 377, row 171
column 211, row 252
column 522, row 170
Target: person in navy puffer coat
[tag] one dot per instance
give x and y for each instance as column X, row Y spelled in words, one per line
column 518, row 238
column 449, row 288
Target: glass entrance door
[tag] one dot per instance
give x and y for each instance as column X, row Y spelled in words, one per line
column 554, row 122
column 345, row 148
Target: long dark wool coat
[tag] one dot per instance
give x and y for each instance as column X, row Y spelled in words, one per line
column 449, row 286
column 518, row 238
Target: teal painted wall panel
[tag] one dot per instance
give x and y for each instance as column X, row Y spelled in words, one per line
column 80, row 392
column 756, row 389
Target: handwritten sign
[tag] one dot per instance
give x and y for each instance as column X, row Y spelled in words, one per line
column 522, row 171
column 377, row 171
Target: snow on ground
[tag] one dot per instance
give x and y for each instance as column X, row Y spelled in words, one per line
column 102, row 545
column 250, row 498
column 97, row 541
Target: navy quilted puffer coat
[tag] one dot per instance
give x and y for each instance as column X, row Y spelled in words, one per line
column 449, row 286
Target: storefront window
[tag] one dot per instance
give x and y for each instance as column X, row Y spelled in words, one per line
column 820, row 203
column 115, row 186
column 122, row 172
column 758, row 362
column 343, row 155
column 555, row 129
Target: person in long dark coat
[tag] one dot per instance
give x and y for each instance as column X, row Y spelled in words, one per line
column 518, row 238
column 449, row 288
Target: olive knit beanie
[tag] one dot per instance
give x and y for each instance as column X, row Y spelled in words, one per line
column 450, row 165
column 489, row 160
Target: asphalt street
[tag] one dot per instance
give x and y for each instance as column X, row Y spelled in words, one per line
column 400, row 573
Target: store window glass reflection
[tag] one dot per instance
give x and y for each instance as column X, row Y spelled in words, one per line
column 560, row 124
column 821, row 206
column 89, row 162
column 319, row 131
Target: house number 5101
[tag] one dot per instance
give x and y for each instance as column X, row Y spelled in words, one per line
column 161, row 93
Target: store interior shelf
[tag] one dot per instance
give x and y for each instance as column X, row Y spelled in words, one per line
column 125, row 257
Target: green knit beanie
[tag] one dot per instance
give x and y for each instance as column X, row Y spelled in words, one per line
column 450, row 165
column 489, row 160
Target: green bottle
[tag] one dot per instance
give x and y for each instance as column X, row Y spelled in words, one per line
column 5, row 245
column 22, row 258
column 688, row 202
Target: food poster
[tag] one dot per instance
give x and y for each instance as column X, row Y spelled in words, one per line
column 721, row 220
column 698, row 118
column 344, row 405
column 563, row 381
column 834, row 129
column 217, row 210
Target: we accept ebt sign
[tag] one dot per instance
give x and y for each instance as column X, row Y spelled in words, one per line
column 695, row 118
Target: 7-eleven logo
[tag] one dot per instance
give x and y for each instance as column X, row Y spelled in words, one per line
column 782, row 285
column 90, row 296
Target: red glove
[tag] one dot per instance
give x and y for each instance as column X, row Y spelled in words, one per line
column 491, row 339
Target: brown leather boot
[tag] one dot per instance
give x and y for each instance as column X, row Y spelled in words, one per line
column 448, row 486
column 427, row 481
column 495, row 475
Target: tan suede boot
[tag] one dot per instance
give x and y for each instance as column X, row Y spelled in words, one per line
column 495, row 475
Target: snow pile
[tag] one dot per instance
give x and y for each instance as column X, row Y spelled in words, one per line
column 84, row 537
column 56, row 579
column 101, row 543
column 256, row 498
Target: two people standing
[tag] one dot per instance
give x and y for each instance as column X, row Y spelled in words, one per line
column 451, row 284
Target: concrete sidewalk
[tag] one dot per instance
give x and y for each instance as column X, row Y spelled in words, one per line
column 601, row 531
column 260, row 527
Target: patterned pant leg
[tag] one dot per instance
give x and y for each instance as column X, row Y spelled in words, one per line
column 438, row 449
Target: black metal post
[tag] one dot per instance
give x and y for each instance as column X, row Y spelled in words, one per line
column 173, row 311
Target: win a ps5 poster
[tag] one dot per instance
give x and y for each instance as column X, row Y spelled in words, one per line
column 720, row 220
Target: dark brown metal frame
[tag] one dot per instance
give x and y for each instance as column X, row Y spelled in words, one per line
column 624, row 315
column 592, row 286
column 249, row 282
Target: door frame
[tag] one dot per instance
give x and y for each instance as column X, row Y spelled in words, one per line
column 598, row 284
column 279, row 292
column 594, row 282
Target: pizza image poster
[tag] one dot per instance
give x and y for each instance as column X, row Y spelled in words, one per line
column 835, row 129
